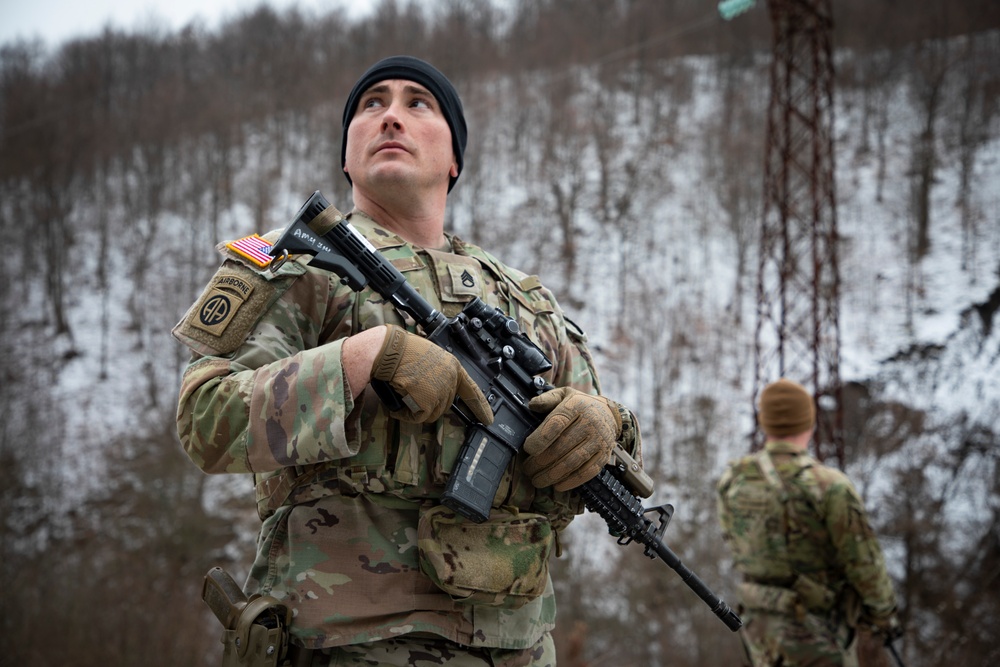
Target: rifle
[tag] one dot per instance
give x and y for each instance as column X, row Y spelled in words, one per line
column 505, row 364
column 892, row 651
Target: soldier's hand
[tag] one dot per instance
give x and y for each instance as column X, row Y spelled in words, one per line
column 426, row 377
column 574, row 441
column 887, row 627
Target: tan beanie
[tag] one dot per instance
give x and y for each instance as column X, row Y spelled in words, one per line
column 786, row 408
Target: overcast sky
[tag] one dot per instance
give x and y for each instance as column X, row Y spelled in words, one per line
column 55, row 21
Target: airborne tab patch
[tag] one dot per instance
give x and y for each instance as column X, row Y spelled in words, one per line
column 254, row 248
column 222, row 300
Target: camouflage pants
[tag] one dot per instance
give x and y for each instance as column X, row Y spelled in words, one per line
column 779, row 640
column 408, row 651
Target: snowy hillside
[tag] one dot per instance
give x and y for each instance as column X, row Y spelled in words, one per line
column 640, row 208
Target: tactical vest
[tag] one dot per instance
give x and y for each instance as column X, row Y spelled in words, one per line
column 777, row 527
column 777, row 532
column 411, row 461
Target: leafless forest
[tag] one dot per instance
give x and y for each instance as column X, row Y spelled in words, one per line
column 125, row 157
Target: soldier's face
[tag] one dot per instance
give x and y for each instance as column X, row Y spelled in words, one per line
column 399, row 138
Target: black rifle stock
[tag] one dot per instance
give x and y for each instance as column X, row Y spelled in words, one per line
column 505, row 364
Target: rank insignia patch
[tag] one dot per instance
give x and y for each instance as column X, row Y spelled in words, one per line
column 465, row 280
column 253, row 248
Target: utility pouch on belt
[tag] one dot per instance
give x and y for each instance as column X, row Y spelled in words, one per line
column 503, row 561
column 256, row 628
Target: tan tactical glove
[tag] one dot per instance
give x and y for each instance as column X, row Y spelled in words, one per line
column 426, row 377
column 574, row 441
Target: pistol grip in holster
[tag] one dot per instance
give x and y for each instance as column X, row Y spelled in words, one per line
column 255, row 629
column 260, row 638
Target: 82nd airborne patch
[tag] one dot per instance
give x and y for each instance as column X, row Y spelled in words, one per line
column 226, row 294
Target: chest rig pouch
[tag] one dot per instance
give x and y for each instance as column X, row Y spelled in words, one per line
column 501, row 562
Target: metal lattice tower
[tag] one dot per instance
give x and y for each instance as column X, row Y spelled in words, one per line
column 798, row 332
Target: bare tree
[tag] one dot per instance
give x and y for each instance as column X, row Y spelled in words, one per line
column 979, row 103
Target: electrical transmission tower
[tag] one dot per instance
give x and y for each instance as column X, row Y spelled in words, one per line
column 798, row 331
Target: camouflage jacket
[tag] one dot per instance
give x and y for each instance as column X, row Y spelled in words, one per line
column 805, row 530
column 353, row 536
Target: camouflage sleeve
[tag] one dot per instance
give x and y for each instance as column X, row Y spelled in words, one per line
column 280, row 399
column 857, row 548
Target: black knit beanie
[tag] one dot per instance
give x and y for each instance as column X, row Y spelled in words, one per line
column 412, row 69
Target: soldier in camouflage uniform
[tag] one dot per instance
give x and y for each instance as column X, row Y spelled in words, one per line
column 812, row 566
column 354, row 539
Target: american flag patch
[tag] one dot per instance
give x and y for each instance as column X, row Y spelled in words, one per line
column 253, row 248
